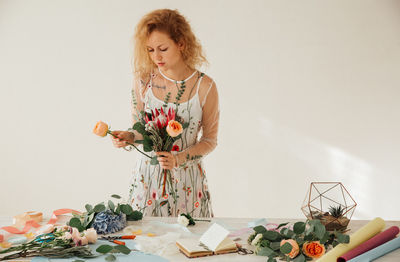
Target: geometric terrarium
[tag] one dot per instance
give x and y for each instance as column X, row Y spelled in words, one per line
column 331, row 203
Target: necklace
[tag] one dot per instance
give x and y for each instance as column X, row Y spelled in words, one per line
column 176, row 81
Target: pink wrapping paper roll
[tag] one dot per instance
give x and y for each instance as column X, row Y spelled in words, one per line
column 373, row 242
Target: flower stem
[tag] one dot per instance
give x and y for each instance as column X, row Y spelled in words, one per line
column 204, row 220
column 110, row 132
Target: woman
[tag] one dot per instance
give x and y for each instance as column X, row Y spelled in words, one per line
column 166, row 56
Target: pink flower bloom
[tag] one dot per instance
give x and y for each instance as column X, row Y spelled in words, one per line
column 75, row 233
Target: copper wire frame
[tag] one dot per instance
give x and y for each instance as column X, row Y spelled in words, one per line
column 309, row 204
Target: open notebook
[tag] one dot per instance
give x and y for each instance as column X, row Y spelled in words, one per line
column 214, row 241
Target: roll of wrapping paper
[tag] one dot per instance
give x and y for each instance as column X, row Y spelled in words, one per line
column 360, row 236
column 378, row 251
column 372, row 243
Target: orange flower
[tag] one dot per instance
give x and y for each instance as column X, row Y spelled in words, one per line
column 100, row 129
column 313, row 249
column 295, row 247
column 174, row 128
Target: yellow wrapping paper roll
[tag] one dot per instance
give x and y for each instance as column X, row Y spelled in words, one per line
column 359, row 237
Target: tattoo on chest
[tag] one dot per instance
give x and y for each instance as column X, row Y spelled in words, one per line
column 159, row 86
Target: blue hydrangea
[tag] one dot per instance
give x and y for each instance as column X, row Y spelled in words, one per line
column 106, row 222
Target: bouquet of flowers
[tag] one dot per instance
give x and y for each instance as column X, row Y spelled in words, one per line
column 304, row 241
column 61, row 242
column 159, row 130
column 105, row 219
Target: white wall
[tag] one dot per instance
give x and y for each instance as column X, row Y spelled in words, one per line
column 309, row 91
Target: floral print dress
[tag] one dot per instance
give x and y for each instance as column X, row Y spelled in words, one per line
column 187, row 190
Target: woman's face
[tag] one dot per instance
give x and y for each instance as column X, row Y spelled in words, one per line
column 163, row 51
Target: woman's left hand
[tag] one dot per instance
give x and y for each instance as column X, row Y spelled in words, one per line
column 166, row 160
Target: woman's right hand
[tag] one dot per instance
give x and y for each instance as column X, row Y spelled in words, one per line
column 122, row 138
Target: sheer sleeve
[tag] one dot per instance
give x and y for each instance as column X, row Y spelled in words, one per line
column 137, row 104
column 209, row 125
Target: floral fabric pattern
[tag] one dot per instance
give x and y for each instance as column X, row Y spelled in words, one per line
column 187, row 190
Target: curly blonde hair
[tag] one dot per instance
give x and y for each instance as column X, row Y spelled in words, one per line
column 177, row 27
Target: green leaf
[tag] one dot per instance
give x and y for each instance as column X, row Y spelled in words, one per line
column 89, row 208
column 154, row 160
column 78, row 260
column 135, row 216
column 111, row 205
column 126, row 209
column 341, row 238
column 286, row 248
column 275, row 245
column 309, row 230
column 118, row 210
column 260, row 229
column 299, row 228
column 185, row 125
column 335, row 243
column 104, row 249
column 123, row 249
column 139, row 141
column 300, row 258
column 140, row 128
column 265, row 251
column 271, row 235
column 110, row 258
column 99, row 208
column 147, row 144
column 88, row 220
column 289, row 233
column 76, row 222
column 282, row 225
column 265, row 243
column 319, row 231
column 325, row 238
column 116, row 196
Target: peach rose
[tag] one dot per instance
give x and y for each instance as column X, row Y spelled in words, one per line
column 100, row 129
column 84, row 241
column 313, row 249
column 295, row 247
column 174, row 128
column 91, row 235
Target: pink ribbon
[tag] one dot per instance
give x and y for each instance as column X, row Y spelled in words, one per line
column 32, row 223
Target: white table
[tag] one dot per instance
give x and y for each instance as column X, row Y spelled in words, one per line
column 237, row 223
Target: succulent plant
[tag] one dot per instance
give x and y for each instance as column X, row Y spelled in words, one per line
column 336, row 211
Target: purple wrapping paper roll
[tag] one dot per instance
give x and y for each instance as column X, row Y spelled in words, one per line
column 371, row 243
